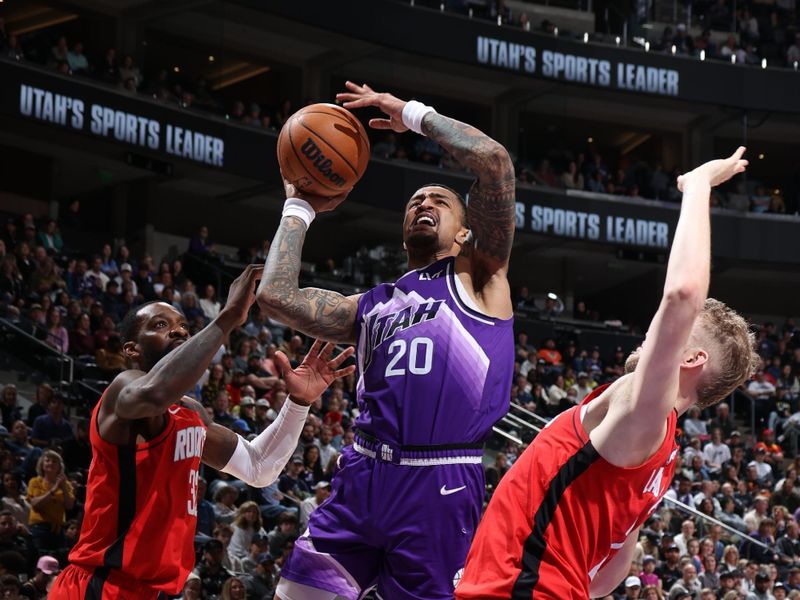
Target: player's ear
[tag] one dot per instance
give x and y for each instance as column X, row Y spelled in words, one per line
column 694, row 357
column 463, row 236
column 132, row 350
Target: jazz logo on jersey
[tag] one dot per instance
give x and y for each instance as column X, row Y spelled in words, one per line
column 381, row 327
column 189, row 443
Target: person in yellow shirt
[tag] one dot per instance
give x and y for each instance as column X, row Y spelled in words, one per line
column 50, row 496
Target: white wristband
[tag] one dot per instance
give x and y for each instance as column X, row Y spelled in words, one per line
column 413, row 112
column 297, row 207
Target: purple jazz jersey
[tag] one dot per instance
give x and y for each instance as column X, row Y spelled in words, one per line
column 431, row 370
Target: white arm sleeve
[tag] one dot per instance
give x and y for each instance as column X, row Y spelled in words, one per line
column 258, row 463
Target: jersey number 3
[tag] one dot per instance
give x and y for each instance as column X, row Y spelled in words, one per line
column 191, row 503
column 418, row 362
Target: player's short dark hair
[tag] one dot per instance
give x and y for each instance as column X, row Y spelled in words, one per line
column 6, row 513
column 132, row 322
column 457, row 195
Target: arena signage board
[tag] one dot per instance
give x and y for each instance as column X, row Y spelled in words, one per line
column 133, row 122
column 526, row 54
column 619, row 222
column 576, row 68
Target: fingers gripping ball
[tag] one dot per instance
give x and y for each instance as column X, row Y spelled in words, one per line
column 323, row 150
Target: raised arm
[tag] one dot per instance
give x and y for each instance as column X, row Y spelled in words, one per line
column 654, row 387
column 316, row 312
column 490, row 212
column 137, row 395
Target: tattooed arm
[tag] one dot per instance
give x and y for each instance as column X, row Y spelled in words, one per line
column 322, row 314
column 490, row 213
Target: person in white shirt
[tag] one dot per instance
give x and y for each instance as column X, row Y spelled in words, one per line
column 716, row 452
column 209, row 304
column 95, row 276
column 321, row 492
column 326, row 448
column 694, row 425
column 687, row 533
column 583, row 387
column 761, row 388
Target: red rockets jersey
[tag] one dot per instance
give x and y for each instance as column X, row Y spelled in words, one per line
column 561, row 513
column 141, row 505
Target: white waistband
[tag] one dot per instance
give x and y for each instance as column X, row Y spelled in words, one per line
column 424, row 462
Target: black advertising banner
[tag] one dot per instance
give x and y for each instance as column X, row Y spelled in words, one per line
column 136, row 123
column 527, row 54
column 622, row 223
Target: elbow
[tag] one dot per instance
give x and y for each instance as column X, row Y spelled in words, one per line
column 686, row 295
column 146, row 402
column 498, row 160
column 271, row 302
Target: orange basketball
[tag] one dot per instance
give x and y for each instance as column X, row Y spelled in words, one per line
column 323, row 150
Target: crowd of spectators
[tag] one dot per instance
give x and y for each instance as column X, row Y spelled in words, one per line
column 589, row 170
column 167, row 84
column 757, row 30
column 747, row 482
column 74, row 303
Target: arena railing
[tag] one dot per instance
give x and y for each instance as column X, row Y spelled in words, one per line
column 705, row 517
column 65, row 362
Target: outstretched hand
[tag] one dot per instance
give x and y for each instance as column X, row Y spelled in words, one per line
column 716, row 172
column 360, row 96
column 242, row 293
column 317, row 371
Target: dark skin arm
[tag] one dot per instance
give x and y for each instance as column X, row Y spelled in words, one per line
column 135, row 403
column 316, row 312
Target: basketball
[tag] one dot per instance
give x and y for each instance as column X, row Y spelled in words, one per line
column 323, row 150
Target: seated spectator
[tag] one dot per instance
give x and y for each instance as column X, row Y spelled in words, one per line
column 759, row 201
column 14, row 538
column 76, row 60
column 13, row 501
column 693, row 425
column 109, row 70
column 688, row 583
column 210, row 570
column 313, row 469
column 291, row 483
column 225, row 503
column 209, row 303
column 285, row 529
column 81, row 340
column 233, row 589
column 716, row 453
column 246, row 525
column 50, row 495
column 260, row 583
column 550, row 354
column 95, row 279
column 112, row 360
column 322, row 490
column 190, row 308
column 201, row 245
column 129, row 71
column 107, row 263
column 59, row 52
column 47, row 569
column 57, row 335
column 52, row 428
column 50, row 238
column 11, row 411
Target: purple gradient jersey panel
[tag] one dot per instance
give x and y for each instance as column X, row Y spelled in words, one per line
column 431, row 370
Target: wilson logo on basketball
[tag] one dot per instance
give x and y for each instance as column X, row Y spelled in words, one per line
column 323, row 164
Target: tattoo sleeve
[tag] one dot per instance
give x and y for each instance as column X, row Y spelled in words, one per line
column 491, row 208
column 323, row 314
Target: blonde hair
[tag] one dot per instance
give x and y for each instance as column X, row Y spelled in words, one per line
column 735, row 343
column 241, row 519
column 51, row 454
